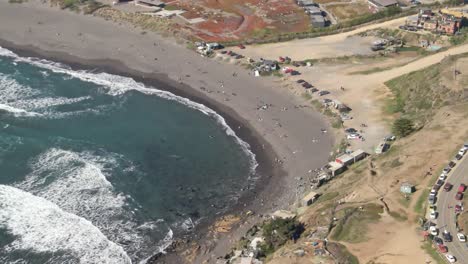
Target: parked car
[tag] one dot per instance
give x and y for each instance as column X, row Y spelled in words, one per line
column 448, row 186
column 295, row 73
column 233, row 54
column 241, row 46
column 436, row 187
column 446, row 170
column 353, row 136
column 465, row 146
column 323, row 92
column 462, row 151
column 450, row 258
column 433, row 230
column 458, row 209
column 223, row 51
column 442, row 176
column 438, row 241
column 442, row 249
column 307, row 85
column 439, row 183
column 313, row 90
column 459, row 196
column 458, row 157
column 431, row 199
column 433, row 214
column 433, row 191
column 389, row 138
column 350, row 130
column 239, row 57
column 461, row 237
column 462, row 188
column 447, row 236
column 300, row 81
column 452, row 164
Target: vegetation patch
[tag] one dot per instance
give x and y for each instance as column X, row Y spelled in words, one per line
column 420, row 203
column 277, row 232
column 352, row 226
column 417, row 95
column 341, row 254
column 428, row 247
column 399, row 216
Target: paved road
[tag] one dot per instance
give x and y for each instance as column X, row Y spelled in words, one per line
column 446, row 218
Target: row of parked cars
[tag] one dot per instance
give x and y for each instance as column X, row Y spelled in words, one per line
column 313, row 89
column 433, row 214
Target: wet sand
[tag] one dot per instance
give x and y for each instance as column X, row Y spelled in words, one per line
column 285, row 131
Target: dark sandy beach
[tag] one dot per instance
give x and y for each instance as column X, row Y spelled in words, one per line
column 91, row 43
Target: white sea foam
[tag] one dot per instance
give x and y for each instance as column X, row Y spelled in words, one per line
column 25, row 101
column 118, row 85
column 17, row 111
column 41, row 226
column 78, row 183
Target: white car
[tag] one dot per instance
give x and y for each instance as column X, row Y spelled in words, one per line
column 442, row 177
column 353, row 136
column 461, row 237
column 450, row 258
column 433, row 230
column 462, row 151
column 433, row 214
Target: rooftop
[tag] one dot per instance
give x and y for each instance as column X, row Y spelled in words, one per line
column 384, row 3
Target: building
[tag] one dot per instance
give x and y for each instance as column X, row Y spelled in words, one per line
column 358, row 155
column 309, row 198
column 150, row 3
column 313, row 10
column 378, row 5
column 345, row 159
column 317, row 21
column 430, row 25
column 335, row 168
column 448, row 27
column 412, row 21
column 407, row 188
column 306, row 3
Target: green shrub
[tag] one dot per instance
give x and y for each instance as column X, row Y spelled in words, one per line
column 278, row 231
column 402, row 127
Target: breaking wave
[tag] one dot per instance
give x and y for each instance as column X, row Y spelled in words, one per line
column 118, row 85
column 41, row 226
column 77, row 183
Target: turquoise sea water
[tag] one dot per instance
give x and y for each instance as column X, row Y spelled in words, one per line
column 97, row 168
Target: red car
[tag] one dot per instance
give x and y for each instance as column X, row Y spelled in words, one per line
column 462, row 188
column 459, row 196
column 442, row 249
column 448, row 186
column 458, row 209
column 241, row 46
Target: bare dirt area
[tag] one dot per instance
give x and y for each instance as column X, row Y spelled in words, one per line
column 338, row 45
column 348, row 10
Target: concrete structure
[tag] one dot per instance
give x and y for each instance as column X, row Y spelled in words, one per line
column 335, row 168
column 345, row 159
column 150, row 3
column 283, row 214
column 407, row 187
column 412, row 21
column 317, row 21
column 313, row 10
column 306, row 3
column 378, row 5
column 430, row 25
column 358, row 155
column 309, row 198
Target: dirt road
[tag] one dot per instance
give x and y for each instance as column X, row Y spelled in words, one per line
column 343, row 44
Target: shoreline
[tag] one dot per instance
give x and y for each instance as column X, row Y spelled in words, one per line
column 276, row 186
column 264, row 155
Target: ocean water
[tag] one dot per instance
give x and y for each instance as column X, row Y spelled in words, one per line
column 97, row 168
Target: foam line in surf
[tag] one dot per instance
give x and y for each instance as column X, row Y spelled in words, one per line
column 119, row 85
column 41, row 226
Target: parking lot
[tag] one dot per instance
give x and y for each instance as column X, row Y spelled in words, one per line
column 449, row 190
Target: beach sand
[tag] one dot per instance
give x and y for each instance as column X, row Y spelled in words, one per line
column 284, row 131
